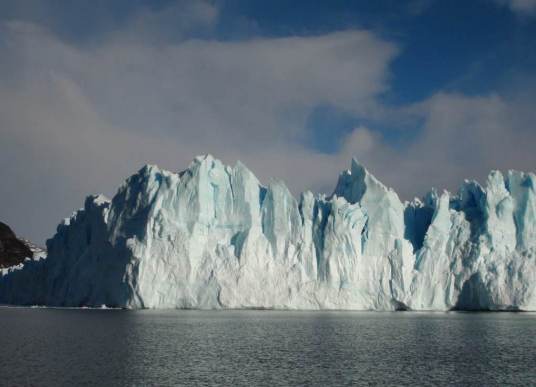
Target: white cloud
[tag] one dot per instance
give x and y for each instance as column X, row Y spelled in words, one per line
column 521, row 7
column 462, row 137
column 79, row 120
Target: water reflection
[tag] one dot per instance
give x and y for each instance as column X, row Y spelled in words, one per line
column 76, row 347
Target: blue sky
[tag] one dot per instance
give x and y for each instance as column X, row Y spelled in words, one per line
column 425, row 93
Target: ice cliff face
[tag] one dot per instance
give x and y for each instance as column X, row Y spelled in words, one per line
column 214, row 237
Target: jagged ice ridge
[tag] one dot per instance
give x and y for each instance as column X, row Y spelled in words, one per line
column 213, row 237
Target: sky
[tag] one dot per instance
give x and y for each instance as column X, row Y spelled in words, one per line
column 424, row 93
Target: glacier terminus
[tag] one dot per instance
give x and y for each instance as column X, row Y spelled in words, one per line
column 213, row 237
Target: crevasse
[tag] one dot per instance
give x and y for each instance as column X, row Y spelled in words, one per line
column 213, row 237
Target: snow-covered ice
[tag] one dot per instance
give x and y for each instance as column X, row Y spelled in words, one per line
column 213, row 237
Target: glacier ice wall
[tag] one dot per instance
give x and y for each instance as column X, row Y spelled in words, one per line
column 213, row 237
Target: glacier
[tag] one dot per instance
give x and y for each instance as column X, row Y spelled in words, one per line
column 212, row 236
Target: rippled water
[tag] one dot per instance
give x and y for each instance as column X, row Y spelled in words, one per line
column 116, row 347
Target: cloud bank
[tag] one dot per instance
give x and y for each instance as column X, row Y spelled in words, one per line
column 77, row 118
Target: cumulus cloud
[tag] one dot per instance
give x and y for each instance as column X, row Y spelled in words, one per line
column 76, row 120
column 461, row 137
column 78, row 117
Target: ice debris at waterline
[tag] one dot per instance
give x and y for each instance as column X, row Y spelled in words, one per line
column 213, row 237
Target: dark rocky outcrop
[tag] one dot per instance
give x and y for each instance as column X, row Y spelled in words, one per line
column 12, row 250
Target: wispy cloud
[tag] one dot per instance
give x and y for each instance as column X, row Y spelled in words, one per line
column 520, row 7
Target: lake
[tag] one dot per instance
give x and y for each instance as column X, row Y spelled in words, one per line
column 54, row 347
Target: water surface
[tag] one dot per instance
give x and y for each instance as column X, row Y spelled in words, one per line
column 118, row 347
